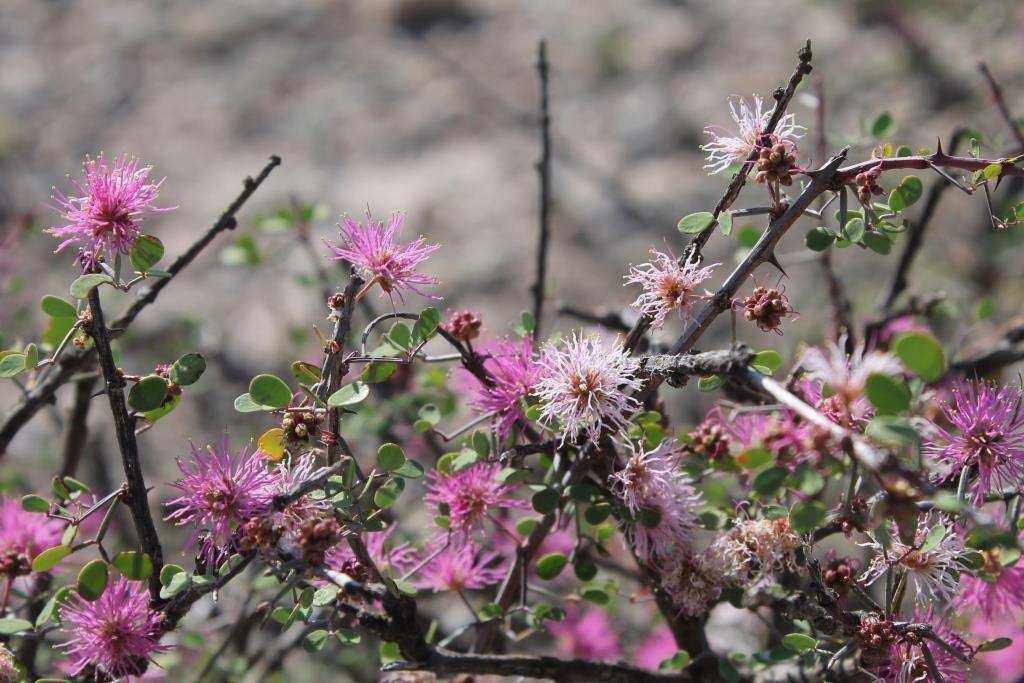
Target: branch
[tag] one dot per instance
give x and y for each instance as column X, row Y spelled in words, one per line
column 74, row 361
column 677, row 369
column 124, row 426
column 1007, row 352
column 1004, row 111
column 938, row 158
column 544, row 172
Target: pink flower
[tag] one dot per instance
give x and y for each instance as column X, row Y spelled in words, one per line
column 1006, row 665
column 907, row 661
column 374, row 250
column 844, row 375
column 662, row 498
column 399, row 558
column 668, row 286
column 780, row 432
column 998, row 594
column 105, row 219
column 659, row 645
column 987, row 434
column 114, row 634
column 514, row 372
column 897, row 326
column 728, row 147
column 590, row 635
column 468, row 496
column 933, row 572
column 853, row 416
column 584, row 387
column 23, row 535
column 460, row 567
column 219, row 492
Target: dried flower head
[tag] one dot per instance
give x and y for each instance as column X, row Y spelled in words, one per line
column 219, row 492
column 23, row 535
column 374, row 250
column 662, row 498
column 709, row 440
column 757, row 550
column 667, row 286
column 114, row 635
column 694, row 580
column 469, row 496
column 932, row 564
column 729, row 147
column 907, row 663
column 464, row 325
column 514, row 372
column 767, row 308
column 459, row 567
column 104, row 219
column 986, row 434
column 584, row 387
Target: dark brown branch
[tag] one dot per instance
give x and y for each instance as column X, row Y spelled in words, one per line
column 917, row 230
column 544, row 208
column 677, row 369
column 938, row 158
column 77, row 360
column 124, row 426
column 77, row 429
column 608, row 319
column 1007, row 352
column 1004, row 110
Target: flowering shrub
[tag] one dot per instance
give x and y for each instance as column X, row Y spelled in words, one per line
column 864, row 500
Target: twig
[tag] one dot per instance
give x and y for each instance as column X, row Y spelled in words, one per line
column 1004, row 110
column 124, row 426
column 544, row 173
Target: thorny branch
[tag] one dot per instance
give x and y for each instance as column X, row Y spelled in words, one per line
column 544, row 201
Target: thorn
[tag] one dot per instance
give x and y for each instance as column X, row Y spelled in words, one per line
column 938, row 147
column 772, row 259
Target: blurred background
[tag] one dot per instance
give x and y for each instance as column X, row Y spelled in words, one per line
column 429, row 106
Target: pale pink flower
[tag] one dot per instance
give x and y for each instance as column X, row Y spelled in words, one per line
column 469, row 496
column 846, row 375
column 586, row 635
column 585, row 387
column 23, row 535
column 667, row 286
column 399, row 558
column 932, row 571
column 662, row 498
column 373, row 249
column 115, row 634
column 105, row 219
column 695, row 580
column 728, row 147
column 461, row 567
column 756, row 551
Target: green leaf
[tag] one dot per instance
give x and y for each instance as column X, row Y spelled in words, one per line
column 34, row 503
column 187, row 369
column 56, row 330
column 545, row 501
column 753, row 458
column 11, row 626
column 855, row 230
column 695, row 222
column 325, row 595
column 50, row 558
column 906, row 193
column 92, row 580
column 922, row 354
column 991, row 171
column 884, row 126
column 819, row 238
column 769, row 482
column 933, row 538
column 146, row 253
column 31, row 356
column 390, row 456
column 270, row 390
column 995, row 644
column 399, row 335
column 306, row 373
column 134, row 565
column 676, row 662
column 12, row 365
column 347, row 636
column 81, row 287
column 709, row 383
column 378, row 372
column 584, row 569
column 887, row 393
column 891, row 429
column 410, row 469
column 766, row 362
column 386, row 495
column 725, row 222
column 178, row 582
column 167, row 573
column 314, row 641
column 51, row 610
column 148, row 393
column 166, row 407
column 426, row 325
column 55, row 307
column 806, row 516
column 799, row 642
column 245, row 404
column 880, row 244
column 984, row 309
column 551, row 565
column 597, row 513
column 348, row 395
column 526, row 525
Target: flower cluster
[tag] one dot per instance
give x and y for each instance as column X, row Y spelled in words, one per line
column 731, row 147
column 668, row 286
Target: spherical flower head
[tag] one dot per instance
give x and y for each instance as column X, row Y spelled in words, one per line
column 586, row 635
column 514, row 372
column 728, row 147
column 757, row 550
column 469, row 496
column 658, row 646
column 464, row 325
column 662, row 498
column 374, row 250
column 104, row 218
column 585, row 387
column 986, row 433
column 846, row 376
column 932, row 568
column 667, row 286
column 460, row 567
column 854, row 416
column 115, row 634
column 23, row 535
column 907, row 663
column 694, row 580
column 767, row 307
column 219, row 492
column 399, row 558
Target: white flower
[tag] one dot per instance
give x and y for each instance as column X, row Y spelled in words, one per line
column 585, row 387
column 931, row 567
column 727, row 147
column 846, row 376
